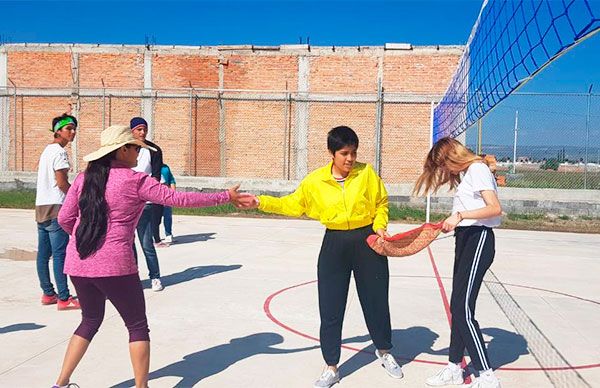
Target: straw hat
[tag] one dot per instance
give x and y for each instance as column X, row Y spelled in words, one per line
column 112, row 138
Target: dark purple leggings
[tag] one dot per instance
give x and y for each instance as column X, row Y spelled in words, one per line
column 124, row 292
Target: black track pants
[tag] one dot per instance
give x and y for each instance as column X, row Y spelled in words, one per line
column 474, row 254
column 343, row 252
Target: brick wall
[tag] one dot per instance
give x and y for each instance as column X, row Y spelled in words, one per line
column 210, row 137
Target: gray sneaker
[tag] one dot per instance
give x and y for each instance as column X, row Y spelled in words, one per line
column 327, row 379
column 388, row 362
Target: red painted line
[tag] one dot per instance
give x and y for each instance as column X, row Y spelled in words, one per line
column 463, row 363
column 441, row 287
column 267, row 310
column 270, row 298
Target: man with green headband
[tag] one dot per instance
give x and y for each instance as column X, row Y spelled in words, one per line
column 52, row 186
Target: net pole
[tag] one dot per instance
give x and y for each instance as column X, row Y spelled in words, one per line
column 428, row 205
column 587, row 137
column 479, row 135
column 514, row 163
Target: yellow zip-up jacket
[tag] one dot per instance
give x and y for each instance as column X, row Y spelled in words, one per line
column 361, row 201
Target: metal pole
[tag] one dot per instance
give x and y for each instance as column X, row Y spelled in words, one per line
column 222, row 136
column 514, row 166
column 191, row 130
column 289, row 141
column 286, row 140
column 378, row 126
column 428, row 205
column 587, row 136
column 103, row 105
column 15, row 120
column 479, row 135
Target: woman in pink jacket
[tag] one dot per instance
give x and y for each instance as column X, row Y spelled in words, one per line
column 100, row 214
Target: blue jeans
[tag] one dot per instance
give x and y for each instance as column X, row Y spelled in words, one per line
column 168, row 215
column 144, row 230
column 52, row 241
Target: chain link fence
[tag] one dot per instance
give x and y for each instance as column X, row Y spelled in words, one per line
column 282, row 135
column 543, row 140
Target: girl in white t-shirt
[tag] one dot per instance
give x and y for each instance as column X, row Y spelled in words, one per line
column 475, row 211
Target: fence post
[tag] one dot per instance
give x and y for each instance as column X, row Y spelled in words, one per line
column 103, row 105
column 587, row 136
column 4, row 109
column 378, row 126
column 428, row 204
column 191, row 148
column 14, row 120
column 222, row 135
column 479, row 135
column 286, row 136
column 514, row 164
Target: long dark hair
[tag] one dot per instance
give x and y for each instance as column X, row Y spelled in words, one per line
column 93, row 208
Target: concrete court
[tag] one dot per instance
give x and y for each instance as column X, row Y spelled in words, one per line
column 210, row 327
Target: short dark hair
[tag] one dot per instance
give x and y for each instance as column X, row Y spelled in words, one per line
column 61, row 117
column 340, row 137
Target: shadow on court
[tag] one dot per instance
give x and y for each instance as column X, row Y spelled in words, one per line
column 208, row 362
column 192, row 274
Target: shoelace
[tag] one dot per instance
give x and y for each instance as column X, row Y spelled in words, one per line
column 391, row 360
column 326, row 373
column 450, row 371
column 441, row 372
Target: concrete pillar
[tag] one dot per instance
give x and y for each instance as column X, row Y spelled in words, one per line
column 4, row 110
column 302, row 114
column 75, row 106
column 147, row 111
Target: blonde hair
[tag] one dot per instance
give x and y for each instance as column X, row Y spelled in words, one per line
column 444, row 163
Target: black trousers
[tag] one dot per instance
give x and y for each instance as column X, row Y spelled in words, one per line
column 342, row 253
column 474, row 254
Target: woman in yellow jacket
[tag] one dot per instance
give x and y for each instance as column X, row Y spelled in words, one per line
column 349, row 198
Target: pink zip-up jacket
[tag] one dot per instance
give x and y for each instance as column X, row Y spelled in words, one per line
column 126, row 194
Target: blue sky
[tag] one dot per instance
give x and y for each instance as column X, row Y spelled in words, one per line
column 340, row 23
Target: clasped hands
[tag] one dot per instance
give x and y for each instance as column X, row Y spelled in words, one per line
column 242, row 200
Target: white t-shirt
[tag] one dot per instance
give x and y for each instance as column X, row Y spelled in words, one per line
column 143, row 162
column 468, row 194
column 53, row 158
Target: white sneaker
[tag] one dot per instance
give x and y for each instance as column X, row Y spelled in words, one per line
column 446, row 376
column 168, row 239
column 486, row 382
column 388, row 362
column 157, row 285
column 327, row 379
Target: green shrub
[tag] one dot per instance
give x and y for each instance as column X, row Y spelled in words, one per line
column 550, row 164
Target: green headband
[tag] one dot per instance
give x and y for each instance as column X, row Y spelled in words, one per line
column 63, row 123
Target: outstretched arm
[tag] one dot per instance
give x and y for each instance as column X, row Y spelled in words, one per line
column 150, row 189
column 293, row 205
